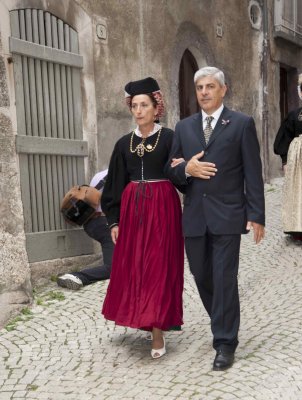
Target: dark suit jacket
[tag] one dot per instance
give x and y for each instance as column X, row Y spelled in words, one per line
column 224, row 203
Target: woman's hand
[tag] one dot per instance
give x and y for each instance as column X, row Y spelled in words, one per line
column 114, row 234
column 176, row 161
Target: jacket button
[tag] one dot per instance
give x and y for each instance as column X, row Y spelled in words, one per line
column 204, row 195
column 205, row 153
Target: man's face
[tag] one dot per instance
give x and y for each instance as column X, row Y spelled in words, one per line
column 209, row 94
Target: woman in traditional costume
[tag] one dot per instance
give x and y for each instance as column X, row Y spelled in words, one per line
column 144, row 214
column 288, row 144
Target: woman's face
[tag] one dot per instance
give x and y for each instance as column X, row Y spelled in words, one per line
column 143, row 110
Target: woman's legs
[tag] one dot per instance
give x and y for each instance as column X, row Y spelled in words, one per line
column 157, row 339
column 158, row 343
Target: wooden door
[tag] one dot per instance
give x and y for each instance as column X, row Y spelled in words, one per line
column 49, row 140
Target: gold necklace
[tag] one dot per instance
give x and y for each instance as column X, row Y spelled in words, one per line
column 141, row 148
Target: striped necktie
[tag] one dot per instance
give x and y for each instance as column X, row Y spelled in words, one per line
column 208, row 129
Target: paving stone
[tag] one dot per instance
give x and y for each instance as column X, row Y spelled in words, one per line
column 66, row 350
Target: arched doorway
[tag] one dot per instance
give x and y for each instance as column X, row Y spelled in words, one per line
column 188, row 104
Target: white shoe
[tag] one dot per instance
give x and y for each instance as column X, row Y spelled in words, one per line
column 157, row 353
column 70, row 281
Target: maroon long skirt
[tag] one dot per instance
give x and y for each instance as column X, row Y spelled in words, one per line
column 146, row 281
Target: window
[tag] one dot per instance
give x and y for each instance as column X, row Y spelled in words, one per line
column 255, row 14
column 288, row 20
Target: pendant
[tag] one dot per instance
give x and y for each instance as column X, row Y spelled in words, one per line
column 140, row 149
column 149, row 147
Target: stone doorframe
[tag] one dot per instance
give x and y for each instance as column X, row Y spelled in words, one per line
column 188, row 37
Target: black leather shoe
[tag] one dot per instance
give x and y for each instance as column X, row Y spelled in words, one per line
column 223, row 360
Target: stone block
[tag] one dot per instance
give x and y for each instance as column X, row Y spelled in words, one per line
column 4, row 96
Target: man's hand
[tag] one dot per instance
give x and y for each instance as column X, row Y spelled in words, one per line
column 176, row 161
column 200, row 169
column 114, row 234
column 258, row 229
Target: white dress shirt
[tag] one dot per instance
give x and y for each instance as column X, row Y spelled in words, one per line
column 215, row 116
column 95, row 180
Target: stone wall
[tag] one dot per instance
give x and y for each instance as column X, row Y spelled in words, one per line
column 15, row 285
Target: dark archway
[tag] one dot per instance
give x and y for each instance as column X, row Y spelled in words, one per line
column 187, row 99
column 288, row 93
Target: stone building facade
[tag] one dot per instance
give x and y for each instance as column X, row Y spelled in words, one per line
column 257, row 43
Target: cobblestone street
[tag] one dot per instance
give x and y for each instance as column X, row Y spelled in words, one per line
column 62, row 348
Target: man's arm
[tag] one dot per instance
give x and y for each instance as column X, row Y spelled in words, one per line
column 178, row 172
column 254, row 186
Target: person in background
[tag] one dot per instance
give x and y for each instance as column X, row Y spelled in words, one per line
column 288, row 145
column 144, row 214
column 224, row 198
column 98, row 230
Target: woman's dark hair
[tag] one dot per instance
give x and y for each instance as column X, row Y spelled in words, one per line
column 150, row 95
column 154, row 102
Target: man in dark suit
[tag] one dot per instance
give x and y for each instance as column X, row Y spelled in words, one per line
column 224, row 199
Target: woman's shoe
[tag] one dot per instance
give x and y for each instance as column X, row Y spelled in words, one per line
column 157, row 353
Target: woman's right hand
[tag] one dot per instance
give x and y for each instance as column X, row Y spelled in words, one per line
column 114, row 234
column 176, row 161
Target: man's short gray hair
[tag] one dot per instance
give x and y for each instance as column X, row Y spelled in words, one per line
column 210, row 71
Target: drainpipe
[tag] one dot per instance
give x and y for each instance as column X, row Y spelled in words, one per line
column 141, row 39
column 264, row 69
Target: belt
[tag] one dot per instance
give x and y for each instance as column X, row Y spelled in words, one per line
column 150, row 180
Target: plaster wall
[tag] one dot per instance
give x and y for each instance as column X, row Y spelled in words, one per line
column 148, row 38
